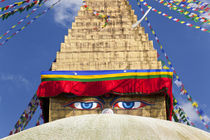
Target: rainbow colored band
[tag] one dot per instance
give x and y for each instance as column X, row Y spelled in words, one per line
column 93, row 76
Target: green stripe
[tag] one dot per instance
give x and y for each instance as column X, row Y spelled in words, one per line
column 109, row 78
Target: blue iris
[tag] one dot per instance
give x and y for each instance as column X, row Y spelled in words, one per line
column 87, row 105
column 128, row 105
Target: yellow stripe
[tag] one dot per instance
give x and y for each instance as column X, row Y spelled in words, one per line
column 106, row 75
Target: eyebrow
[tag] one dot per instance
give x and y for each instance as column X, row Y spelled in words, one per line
column 145, row 102
column 115, row 98
column 98, row 98
column 74, row 101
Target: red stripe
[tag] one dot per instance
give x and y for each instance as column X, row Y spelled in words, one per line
column 144, row 86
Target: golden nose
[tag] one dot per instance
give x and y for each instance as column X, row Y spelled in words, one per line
column 107, row 111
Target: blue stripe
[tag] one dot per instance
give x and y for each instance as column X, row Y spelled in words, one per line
column 100, row 72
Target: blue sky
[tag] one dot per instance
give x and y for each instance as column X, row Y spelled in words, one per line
column 33, row 50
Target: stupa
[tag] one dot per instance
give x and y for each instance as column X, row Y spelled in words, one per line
column 103, row 44
column 107, row 83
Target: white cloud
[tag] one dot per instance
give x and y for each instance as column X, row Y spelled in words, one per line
column 65, row 11
column 190, row 111
column 206, row 15
column 207, row 1
column 206, row 118
column 19, row 80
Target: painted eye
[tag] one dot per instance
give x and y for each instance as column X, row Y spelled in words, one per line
column 84, row 105
column 130, row 104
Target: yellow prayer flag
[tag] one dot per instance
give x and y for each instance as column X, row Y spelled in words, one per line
column 23, row 28
column 165, row 67
column 13, row 26
column 19, row 3
column 194, row 104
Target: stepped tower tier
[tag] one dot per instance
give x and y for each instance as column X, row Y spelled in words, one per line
column 108, row 58
column 117, row 46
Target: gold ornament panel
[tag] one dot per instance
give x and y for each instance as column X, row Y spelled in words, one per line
column 63, row 105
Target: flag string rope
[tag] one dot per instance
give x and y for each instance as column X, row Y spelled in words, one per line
column 38, row 122
column 21, row 9
column 2, row 0
column 20, row 21
column 31, row 21
column 174, row 19
column 194, row 1
column 188, row 1
column 179, row 114
column 193, row 16
column 183, row 90
column 15, row 4
column 107, row 18
column 201, row 5
column 26, row 115
column 175, row 116
column 31, row 115
column 180, row 111
column 200, row 10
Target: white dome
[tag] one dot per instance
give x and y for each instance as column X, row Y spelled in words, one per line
column 111, row 127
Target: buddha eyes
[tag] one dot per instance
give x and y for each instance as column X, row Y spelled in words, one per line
column 90, row 105
column 85, row 105
column 130, row 104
